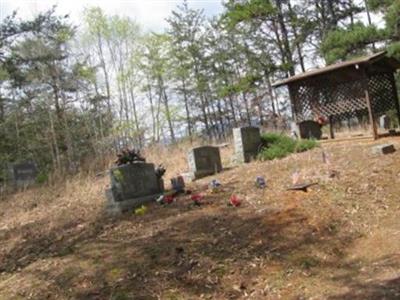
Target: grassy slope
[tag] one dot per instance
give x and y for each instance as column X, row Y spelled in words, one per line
column 341, row 240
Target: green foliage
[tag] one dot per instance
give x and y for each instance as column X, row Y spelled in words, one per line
column 392, row 114
column 305, row 145
column 41, row 82
column 344, row 43
column 249, row 10
column 273, row 152
column 42, row 177
column 394, row 50
column 278, row 146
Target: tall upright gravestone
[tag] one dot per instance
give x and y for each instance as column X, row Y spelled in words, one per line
column 247, row 142
column 204, row 161
column 23, row 174
column 132, row 185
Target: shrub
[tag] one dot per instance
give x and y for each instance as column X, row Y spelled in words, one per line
column 270, row 138
column 42, row 177
column 278, row 146
column 305, row 145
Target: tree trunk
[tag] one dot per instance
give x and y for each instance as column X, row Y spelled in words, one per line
column 285, row 38
column 105, row 72
column 275, row 110
column 55, row 143
column 185, row 99
column 153, row 118
column 220, row 117
column 135, row 115
column 167, row 111
column 296, row 39
column 246, row 103
column 158, row 117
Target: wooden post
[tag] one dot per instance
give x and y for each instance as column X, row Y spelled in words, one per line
column 292, row 102
column 395, row 96
column 370, row 109
column 331, row 127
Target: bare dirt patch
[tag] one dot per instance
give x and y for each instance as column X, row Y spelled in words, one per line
column 338, row 241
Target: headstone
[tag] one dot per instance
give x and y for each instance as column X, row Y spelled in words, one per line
column 132, row 185
column 383, row 149
column 23, row 174
column 384, row 122
column 247, row 141
column 310, row 130
column 204, row 161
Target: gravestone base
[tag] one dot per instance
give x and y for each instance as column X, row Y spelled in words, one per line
column 132, row 185
column 204, row 161
column 201, row 174
column 118, row 207
column 247, row 142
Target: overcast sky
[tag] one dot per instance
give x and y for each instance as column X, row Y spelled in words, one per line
column 150, row 14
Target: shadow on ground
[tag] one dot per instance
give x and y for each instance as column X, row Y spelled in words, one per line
column 190, row 256
column 360, row 288
column 218, row 253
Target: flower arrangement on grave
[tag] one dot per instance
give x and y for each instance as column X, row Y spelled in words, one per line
column 127, row 156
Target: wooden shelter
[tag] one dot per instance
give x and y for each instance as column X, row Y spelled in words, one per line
column 361, row 88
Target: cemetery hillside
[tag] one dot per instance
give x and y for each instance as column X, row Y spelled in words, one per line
column 235, row 149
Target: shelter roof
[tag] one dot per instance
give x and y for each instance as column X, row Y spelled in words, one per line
column 380, row 57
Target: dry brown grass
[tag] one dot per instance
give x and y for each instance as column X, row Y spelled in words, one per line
column 174, row 157
column 338, row 241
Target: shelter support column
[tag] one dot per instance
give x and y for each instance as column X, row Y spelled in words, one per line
column 331, row 130
column 395, row 96
column 292, row 100
column 370, row 109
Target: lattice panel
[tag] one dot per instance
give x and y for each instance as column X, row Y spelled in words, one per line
column 341, row 101
column 381, row 93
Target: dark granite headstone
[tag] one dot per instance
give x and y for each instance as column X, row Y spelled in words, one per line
column 23, row 174
column 247, row 141
column 204, row 161
column 132, row 185
column 310, row 130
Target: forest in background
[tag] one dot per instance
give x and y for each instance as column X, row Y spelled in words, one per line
column 72, row 94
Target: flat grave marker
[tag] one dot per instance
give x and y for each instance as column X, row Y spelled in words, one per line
column 383, row 149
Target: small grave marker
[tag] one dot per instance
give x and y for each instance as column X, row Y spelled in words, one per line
column 301, row 186
column 178, row 183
